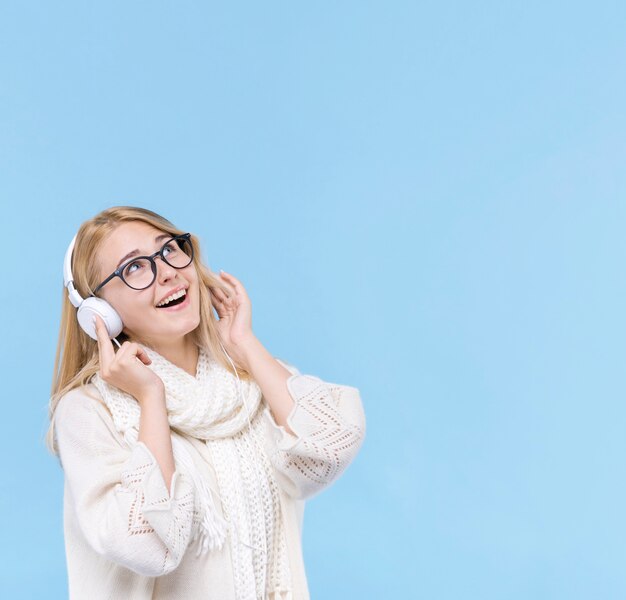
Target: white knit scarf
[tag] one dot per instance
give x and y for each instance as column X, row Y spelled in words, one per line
column 208, row 407
column 214, row 406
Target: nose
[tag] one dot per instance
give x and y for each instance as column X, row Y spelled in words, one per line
column 165, row 272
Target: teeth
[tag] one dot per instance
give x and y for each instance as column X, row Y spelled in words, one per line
column 172, row 297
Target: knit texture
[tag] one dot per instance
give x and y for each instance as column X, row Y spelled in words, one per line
column 127, row 534
column 215, row 406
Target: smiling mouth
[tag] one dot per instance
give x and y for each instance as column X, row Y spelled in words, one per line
column 175, row 302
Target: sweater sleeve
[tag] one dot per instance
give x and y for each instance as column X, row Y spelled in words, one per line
column 329, row 422
column 122, row 504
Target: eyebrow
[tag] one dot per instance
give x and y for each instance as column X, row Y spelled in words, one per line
column 158, row 238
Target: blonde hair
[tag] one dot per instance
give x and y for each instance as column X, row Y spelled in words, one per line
column 77, row 355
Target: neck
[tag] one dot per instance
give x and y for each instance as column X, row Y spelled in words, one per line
column 182, row 352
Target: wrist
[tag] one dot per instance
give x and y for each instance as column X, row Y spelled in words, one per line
column 248, row 347
column 153, row 393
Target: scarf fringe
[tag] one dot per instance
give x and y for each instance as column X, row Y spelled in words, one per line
column 211, row 530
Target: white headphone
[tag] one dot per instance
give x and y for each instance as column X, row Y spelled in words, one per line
column 92, row 305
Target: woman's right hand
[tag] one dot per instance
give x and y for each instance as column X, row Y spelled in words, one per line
column 125, row 369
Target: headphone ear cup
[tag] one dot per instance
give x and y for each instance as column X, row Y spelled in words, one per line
column 90, row 307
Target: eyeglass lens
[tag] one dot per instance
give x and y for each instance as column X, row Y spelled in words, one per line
column 139, row 274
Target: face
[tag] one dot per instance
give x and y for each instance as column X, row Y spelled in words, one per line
column 138, row 308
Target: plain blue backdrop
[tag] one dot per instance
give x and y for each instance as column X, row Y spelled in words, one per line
column 424, row 200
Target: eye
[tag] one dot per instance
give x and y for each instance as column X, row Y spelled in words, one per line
column 168, row 249
column 129, row 267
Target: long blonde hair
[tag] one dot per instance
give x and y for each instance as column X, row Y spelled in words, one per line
column 77, row 355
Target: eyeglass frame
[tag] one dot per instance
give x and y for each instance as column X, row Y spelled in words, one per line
column 153, row 266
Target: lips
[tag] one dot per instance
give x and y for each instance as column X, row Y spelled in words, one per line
column 172, row 291
column 177, row 304
column 174, row 302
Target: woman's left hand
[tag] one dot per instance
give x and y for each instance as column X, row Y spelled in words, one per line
column 235, row 316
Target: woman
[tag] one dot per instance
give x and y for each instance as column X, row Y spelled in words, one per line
column 188, row 451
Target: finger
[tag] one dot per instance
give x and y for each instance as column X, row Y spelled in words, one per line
column 227, row 280
column 132, row 351
column 232, row 280
column 218, row 305
column 105, row 345
column 226, row 304
column 123, row 349
column 219, row 294
column 143, row 356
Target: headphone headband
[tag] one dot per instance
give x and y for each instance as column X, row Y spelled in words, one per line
column 68, row 279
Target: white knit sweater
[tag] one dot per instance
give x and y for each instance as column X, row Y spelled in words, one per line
column 127, row 535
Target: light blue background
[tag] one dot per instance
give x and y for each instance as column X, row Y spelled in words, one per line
column 424, row 200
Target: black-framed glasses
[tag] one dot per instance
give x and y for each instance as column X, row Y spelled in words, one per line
column 140, row 272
